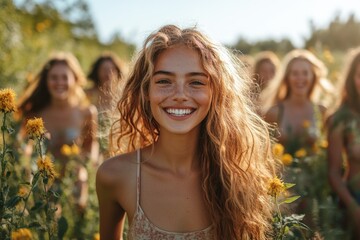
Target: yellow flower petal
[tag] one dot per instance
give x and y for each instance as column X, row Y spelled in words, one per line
column 276, row 187
column 7, row 100
column 46, row 166
column 75, row 150
column 287, row 159
column 278, row 150
column 96, row 236
column 66, row 150
column 324, row 144
column 306, row 124
column 300, row 153
column 23, row 191
column 35, row 128
column 21, row 234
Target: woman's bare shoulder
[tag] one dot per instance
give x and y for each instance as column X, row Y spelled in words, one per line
column 119, row 169
column 272, row 115
column 89, row 111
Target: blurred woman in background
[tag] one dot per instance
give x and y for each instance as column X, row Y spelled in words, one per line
column 107, row 73
column 344, row 137
column 265, row 67
column 57, row 97
column 297, row 112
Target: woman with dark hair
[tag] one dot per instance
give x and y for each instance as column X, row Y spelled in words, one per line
column 107, row 73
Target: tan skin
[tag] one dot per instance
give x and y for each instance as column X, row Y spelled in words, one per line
column 171, row 194
column 337, row 146
column 65, row 115
column 298, row 106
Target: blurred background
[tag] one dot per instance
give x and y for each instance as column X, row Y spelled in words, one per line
column 32, row 29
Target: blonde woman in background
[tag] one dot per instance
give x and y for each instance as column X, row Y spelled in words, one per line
column 295, row 96
column 293, row 99
column 57, row 97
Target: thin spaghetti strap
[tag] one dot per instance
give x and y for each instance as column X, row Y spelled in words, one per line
column 138, row 179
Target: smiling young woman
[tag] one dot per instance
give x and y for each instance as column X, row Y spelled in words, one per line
column 195, row 158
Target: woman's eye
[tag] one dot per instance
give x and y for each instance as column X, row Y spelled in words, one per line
column 196, row 82
column 162, row 81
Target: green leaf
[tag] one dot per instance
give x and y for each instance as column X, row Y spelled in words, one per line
column 55, row 194
column 289, row 185
column 62, row 227
column 287, row 229
column 35, row 179
column 8, row 215
column 45, row 180
column 290, row 199
column 38, row 205
column 10, row 130
column 12, row 202
column 34, row 225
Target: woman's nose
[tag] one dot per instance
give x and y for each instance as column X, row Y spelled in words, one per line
column 180, row 93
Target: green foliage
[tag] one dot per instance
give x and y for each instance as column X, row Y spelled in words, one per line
column 281, row 47
column 24, row 205
column 283, row 226
column 339, row 35
column 32, row 30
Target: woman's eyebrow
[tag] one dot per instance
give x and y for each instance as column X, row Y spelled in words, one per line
column 202, row 74
column 190, row 74
column 163, row 73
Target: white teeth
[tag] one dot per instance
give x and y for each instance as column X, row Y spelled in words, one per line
column 178, row 112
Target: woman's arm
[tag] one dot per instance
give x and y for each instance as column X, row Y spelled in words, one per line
column 335, row 163
column 90, row 143
column 112, row 215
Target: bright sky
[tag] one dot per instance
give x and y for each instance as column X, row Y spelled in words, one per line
column 223, row 20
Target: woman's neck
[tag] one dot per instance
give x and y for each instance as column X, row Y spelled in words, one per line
column 178, row 153
column 298, row 100
column 59, row 103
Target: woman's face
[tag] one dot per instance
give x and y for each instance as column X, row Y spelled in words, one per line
column 266, row 72
column 60, row 81
column 180, row 93
column 300, row 77
column 107, row 71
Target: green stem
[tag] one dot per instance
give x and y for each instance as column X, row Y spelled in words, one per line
column 2, row 170
column 26, row 200
column 48, row 219
column 39, row 143
column 3, row 152
column 280, row 218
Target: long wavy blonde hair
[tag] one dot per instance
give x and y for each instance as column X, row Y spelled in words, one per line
column 321, row 91
column 234, row 144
